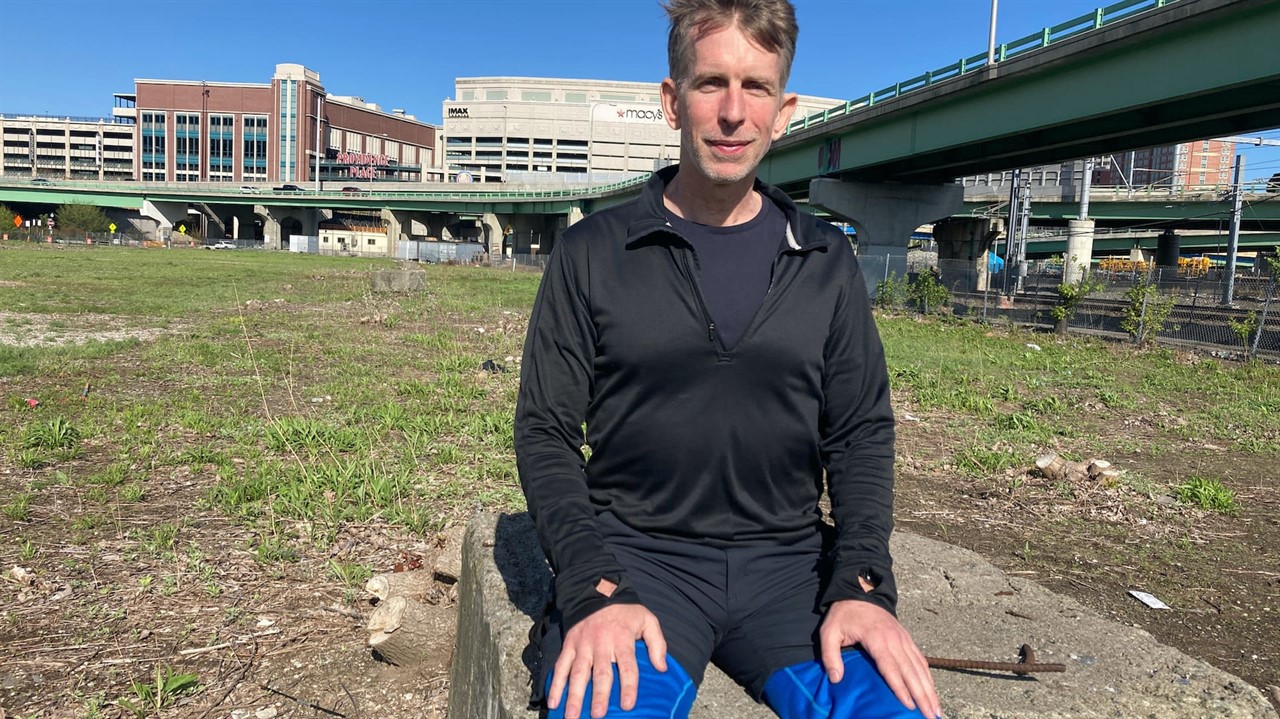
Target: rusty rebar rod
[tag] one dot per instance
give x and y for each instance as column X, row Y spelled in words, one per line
column 1026, row 664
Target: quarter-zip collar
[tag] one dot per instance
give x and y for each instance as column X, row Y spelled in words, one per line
column 653, row 220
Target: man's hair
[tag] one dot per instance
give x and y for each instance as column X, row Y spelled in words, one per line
column 771, row 24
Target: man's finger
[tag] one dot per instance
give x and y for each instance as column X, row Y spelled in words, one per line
column 579, row 675
column 628, row 678
column 602, row 684
column 831, row 659
column 890, row 667
column 656, row 644
column 559, row 677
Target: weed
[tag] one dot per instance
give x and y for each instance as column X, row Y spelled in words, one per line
column 1206, row 493
column 982, row 461
column 57, row 433
column 1070, row 297
column 891, row 292
column 133, row 492
column 31, row 458
column 168, row 687
column 160, row 539
column 273, row 549
column 27, row 550
column 1147, row 312
column 351, row 574
column 929, row 294
column 19, row 510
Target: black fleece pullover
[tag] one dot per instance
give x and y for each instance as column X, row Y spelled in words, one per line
column 689, row 440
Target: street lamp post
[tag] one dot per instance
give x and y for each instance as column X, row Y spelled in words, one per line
column 318, row 151
column 991, row 38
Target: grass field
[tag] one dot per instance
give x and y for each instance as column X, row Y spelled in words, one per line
column 192, row 441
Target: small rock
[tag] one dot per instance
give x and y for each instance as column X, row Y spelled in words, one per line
column 1033, row 346
column 239, row 713
column 1165, row 500
column 266, row 713
column 265, row 622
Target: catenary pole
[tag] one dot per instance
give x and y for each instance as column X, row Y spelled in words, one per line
column 1233, row 239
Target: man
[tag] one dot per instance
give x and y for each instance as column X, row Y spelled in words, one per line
column 719, row 346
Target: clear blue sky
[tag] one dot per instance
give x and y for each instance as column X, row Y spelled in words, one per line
column 66, row 57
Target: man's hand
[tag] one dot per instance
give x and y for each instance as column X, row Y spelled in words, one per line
column 903, row 667
column 594, row 645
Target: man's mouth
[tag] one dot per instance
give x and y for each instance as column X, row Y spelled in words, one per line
column 729, row 147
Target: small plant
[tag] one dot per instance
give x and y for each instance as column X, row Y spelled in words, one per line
column 1206, row 493
column 27, row 550
column 19, row 510
column 274, row 549
column 1070, row 297
column 350, row 574
column 928, row 293
column 1146, row 313
column 152, row 698
column 57, row 433
column 161, row 539
column 31, row 458
column 1244, row 328
column 891, row 292
column 133, row 492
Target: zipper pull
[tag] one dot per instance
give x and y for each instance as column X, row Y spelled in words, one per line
column 711, row 331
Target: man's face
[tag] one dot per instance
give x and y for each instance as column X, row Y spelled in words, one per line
column 730, row 108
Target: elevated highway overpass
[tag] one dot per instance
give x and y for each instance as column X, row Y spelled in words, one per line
column 1133, row 74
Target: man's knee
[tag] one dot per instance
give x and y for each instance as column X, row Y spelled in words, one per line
column 802, row 691
column 661, row 695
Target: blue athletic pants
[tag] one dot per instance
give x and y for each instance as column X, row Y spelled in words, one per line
column 801, row 691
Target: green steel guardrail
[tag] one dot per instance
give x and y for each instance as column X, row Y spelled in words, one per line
column 1094, row 20
column 188, row 188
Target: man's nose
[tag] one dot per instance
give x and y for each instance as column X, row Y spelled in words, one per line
column 733, row 106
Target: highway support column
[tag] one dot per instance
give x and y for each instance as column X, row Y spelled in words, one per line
column 885, row 215
column 1168, row 248
column 168, row 215
column 963, row 247
column 1079, row 251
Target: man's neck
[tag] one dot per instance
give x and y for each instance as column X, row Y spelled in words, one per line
column 710, row 204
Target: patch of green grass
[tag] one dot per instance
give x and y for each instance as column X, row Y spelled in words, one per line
column 351, row 574
column 151, row 697
column 983, row 461
column 1206, row 493
column 19, row 509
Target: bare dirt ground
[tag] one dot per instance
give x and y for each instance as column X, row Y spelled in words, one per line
column 102, row 601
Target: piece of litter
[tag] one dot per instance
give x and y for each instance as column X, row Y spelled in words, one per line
column 265, row 622
column 1034, row 346
column 908, row 417
column 1148, row 599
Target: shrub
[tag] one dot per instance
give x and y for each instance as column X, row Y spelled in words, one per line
column 929, row 294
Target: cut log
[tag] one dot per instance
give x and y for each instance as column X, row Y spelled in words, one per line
column 1109, row 476
column 415, row 584
column 411, row 634
column 1057, row 468
column 1098, row 466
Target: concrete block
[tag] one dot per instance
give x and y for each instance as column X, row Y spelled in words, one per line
column 955, row 604
column 381, row 281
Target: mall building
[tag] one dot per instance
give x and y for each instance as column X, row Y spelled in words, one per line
column 203, row 131
column 66, row 148
column 580, row 130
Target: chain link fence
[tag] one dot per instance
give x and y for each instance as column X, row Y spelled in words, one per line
column 1142, row 304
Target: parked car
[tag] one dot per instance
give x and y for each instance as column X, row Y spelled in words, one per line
column 351, row 189
column 221, row 245
column 288, row 188
column 251, row 190
column 41, row 181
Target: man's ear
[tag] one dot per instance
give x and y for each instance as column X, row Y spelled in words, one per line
column 670, row 103
column 789, row 102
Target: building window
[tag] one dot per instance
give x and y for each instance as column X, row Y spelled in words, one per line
column 495, row 95
column 578, row 97
column 254, row 144
column 186, row 147
column 288, row 112
column 222, row 148
column 372, row 241
column 153, row 146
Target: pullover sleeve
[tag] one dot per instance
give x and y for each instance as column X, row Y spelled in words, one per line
column 857, row 435
column 555, row 388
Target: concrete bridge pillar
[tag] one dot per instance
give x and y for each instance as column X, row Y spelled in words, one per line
column 167, row 215
column 963, row 246
column 1168, row 248
column 575, row 214
column 1075, row 266
column 493, row 232
column 885, row 215
column 281, row 223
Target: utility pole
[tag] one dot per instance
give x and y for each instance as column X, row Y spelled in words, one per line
column 1024, row 232
column 1086, row 183
column 991, row 39
column 1011, row 226
column 1233, row 239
